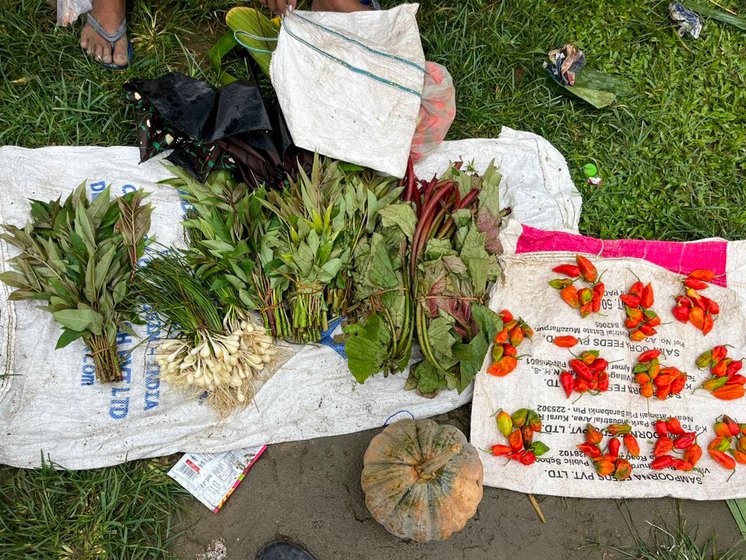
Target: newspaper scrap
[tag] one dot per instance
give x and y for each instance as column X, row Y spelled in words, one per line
column 564, row 470
column 213, row 477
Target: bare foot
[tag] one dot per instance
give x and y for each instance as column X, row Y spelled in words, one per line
column 339, row 6
column 110, row 14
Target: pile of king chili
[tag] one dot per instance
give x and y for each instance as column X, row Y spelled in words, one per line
column 587, row 373
column 729, row 445
column 693, row 307
column 674, row 447
column 519, row 429
column 504, row 352
column 588, row 298
column 641, row 319
column 726, row 383
column 656, row 380
column 608, row 461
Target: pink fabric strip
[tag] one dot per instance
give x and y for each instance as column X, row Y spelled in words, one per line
column 676, row 256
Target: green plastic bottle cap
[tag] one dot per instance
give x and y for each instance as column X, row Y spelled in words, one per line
column 590, row 170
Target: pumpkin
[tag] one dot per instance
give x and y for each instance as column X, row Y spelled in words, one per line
column 422, row 481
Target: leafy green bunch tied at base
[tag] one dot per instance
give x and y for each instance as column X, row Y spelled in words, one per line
column 425, row 271
column 80, row 257
column 284, row 253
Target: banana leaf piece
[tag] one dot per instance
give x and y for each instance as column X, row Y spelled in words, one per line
column 716, row 14
column 255, row 32
column 597, row 88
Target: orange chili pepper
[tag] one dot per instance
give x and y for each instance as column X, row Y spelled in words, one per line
column 500, row 450
column 516, row 336
column 587, row 270
column 503, row 366
column 702, row 274
column 630, row 442
column 515, row 440
column 570, row 296
column 623, row 469
column 567, row 270
column 723, row 459
column 566, row 341
column 695, row 284
column 593, row 435
column 693, row 454
column 729, row 392
column 647, row 298
column 697, row 317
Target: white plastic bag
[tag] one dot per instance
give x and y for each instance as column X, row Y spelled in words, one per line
column 52, row 405
column 69, row 10
column 437, row 111
column 350, row 85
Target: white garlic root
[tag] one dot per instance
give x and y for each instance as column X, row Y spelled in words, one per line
column 231, row 366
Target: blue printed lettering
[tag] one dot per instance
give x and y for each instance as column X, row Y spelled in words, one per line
column 123, row 338
column 128, row 188
column 88, row 376
column 119, row 407
column 97, row 188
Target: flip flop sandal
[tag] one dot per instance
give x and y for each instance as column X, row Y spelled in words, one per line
column 111, row 39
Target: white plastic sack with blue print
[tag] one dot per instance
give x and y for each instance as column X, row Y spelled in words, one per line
column 350, row 85
column 51, row 405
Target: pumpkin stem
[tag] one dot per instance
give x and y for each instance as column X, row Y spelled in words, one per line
column 427, row 469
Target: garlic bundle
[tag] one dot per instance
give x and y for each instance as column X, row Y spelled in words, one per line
column 229, row 366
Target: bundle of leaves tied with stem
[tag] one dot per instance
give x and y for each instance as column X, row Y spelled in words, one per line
column 80, row 256
column 284, row 254
column 218, row 347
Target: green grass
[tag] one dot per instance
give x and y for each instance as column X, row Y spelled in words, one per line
column 672, row 154
column 668, row 541
column 123, row 512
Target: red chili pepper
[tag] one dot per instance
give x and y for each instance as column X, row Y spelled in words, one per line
column 648, row 355
column 500, row 450
column 566, row 382
column 662, row 446
column 509, row 350
column 732, row 425
column 590, row 450
column 678, row 384
column 506, row 316
column 661, row 428
column 630, row 300
column 718, row 353
column 636, row 289
column 598, row 365
column 661, row 462
column 581, row 370
column 693, row 454
column 723, row 459
column 708, row 322
column 603, row 381
column 647, row 330
column 695, row 284
column 681, row 464
column 682, row 442
column 614, row 446
column 714, row 307
column 527, row 458
column 647, row 299
column 587, row 270
column 681, row 313
column 567, row 270
column 630, row 442
column 565, row 341
column 580, row 385
column 737, row 379
column 702, row 274
column 734, row 367
column 632, row 323
column 674, row 427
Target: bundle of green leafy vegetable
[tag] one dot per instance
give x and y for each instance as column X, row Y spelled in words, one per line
column 426, row 270
column 284, row 253
column 80, row 257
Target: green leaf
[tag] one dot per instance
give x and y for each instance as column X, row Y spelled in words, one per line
column 89, row 289
column 441, row 341
column 367, row 347
column 14, row 279
column 99, row 207
column 68, row 336
column 538, row 448
column 84, row 229
column 400, row 215
column 430, row 379
column 80, row 320
column 470, row 357
column 488, row 321
column 119, row 291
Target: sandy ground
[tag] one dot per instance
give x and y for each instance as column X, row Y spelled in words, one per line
column 309, row 492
